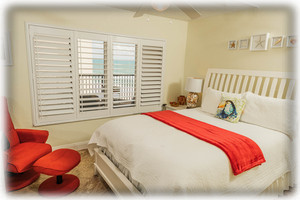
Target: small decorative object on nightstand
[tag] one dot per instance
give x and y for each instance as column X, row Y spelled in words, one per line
column 174, row 104
column 194, row 86
column 181, row 100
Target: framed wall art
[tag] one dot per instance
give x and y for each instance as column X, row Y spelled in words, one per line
column 232, row 44
column 291, row 41
column 277, row 42
column 259, row 42
column 243, row 44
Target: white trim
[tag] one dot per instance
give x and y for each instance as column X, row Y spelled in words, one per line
column 75, row 146
column 89, row 31
column 30, row 71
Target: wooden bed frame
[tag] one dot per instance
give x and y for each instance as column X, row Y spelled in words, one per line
column 265, row 83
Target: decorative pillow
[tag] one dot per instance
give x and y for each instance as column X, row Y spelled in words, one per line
column 272, row 113
column 212, row 98
column 230, row 108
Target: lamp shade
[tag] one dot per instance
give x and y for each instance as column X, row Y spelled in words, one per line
column 193, row 84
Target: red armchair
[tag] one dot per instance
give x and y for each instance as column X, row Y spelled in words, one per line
column 22, row 148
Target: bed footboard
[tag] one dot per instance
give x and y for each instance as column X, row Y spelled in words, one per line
column 118, row 183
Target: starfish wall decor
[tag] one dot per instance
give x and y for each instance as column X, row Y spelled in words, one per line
column 259, row 42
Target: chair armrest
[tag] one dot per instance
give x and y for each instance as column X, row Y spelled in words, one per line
column 31, row 135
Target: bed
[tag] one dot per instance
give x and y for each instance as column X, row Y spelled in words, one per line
column 141, row 155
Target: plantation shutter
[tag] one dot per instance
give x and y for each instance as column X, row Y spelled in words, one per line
column 124, row 78
column 80, row 75
column 93, row 74
column 52, row 75
column 151, row 75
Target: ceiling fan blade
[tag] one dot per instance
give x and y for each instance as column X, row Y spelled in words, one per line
column 189, row 11
column 140, row 12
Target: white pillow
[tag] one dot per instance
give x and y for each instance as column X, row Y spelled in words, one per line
column 212, row 98
column 270, row 113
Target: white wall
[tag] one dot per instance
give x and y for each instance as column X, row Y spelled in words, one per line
column 208, row 41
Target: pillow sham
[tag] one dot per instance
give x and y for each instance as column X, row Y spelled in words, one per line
column 268, row 112
column 230, row 108
column 212, row 98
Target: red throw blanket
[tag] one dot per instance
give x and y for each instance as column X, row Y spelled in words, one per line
column 242, row 152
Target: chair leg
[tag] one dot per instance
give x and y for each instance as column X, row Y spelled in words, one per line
column 19, row 181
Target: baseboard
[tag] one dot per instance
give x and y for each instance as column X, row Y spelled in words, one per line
column 76, row 146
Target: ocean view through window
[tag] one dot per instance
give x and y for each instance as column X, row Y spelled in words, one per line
column 92, row 65
column 124, row 72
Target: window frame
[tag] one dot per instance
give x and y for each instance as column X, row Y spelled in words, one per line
column 139, row 41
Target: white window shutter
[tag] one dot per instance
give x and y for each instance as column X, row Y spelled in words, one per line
column 124, row 75
column 151, row 75
column 80, row 75
column 52, row 66
column 92, row 72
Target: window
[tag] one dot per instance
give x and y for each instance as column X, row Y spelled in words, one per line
column 124, row 71
column 92, row 68
column 79, row 75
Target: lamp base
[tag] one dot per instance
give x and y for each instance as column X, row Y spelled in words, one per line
column 192, row 100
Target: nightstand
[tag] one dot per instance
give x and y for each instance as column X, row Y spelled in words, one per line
column 180, row 107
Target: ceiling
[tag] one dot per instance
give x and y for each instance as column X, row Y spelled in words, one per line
column 186, row 12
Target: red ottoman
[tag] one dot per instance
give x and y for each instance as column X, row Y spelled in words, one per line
column 57, row 164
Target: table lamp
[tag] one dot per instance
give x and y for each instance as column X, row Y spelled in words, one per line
column 193, row 86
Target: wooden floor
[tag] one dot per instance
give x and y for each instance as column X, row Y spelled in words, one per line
column 89, row 184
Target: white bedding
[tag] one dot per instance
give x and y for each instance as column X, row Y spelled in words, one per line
column 164, row 159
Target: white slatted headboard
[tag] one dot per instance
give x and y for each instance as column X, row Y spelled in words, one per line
column 265, row 83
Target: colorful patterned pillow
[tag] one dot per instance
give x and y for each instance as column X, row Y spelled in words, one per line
column 230, row 108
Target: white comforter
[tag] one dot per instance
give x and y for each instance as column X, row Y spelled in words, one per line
column 164, row 159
